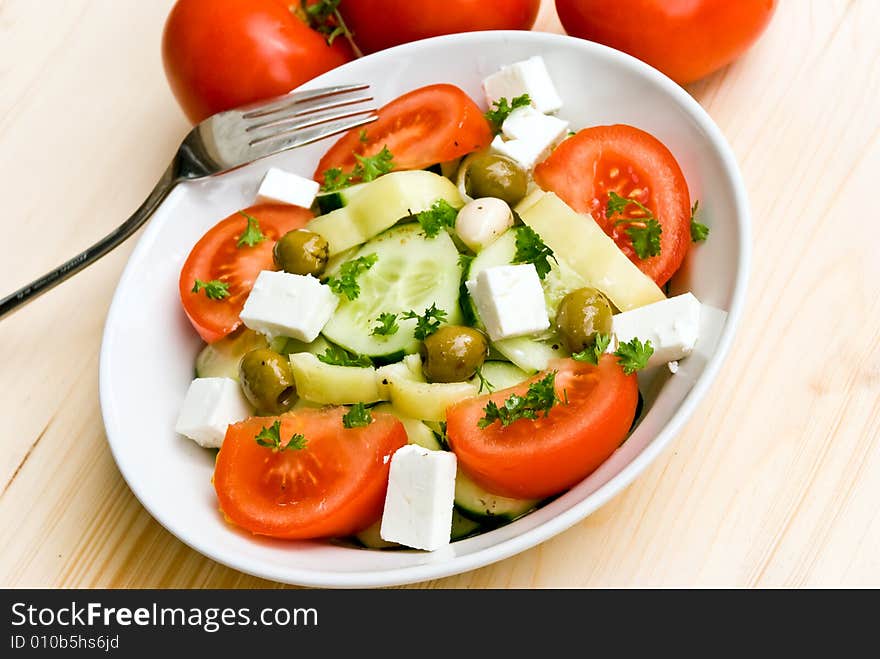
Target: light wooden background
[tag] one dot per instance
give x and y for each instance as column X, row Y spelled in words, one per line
column 774, row 482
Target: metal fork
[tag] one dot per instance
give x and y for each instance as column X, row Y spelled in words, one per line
column 221, row 143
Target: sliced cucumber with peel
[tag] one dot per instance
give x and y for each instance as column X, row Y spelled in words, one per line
column 475, row 502
column 329, row 384
column 502, row 375
column 416, row 431
column 327, row 202
column 411, row 273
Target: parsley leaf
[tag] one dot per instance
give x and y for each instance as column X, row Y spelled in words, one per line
column 593, row 353
column 336, row 356
column 214, row 289
column 427, row 323
column 439, row 216
column 634, row 356
column 335, row 179
column 643, row 231
column 484, row 383
column 346, row 283
column 370, row 168
column 363, row 136
column 323, row 17
column 531, row 249
column 387, row 325
column 699, row 231
column 270, row 437
column 357, row 416
column 502, row 108
column 251, row 235
column 541, row 397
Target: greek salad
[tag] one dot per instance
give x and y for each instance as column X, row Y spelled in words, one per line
column 441, row 329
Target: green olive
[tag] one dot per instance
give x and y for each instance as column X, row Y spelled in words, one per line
column 582, row 314
column 267, row 381
column 453, row 353
column 302, row 252
column 491, row 175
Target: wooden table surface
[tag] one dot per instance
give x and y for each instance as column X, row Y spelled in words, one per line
column 774, row 482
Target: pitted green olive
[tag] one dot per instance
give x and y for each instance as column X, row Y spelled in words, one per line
column 453, row 353
column 267, row 381
column 302, row 252
column 492, row 175
column 582, row 314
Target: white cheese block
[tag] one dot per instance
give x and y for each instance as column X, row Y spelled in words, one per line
column 510, row 301
column 280, row 187
column 672, row 326
column 529, row 124
column 210, row 405
column 282, row 304
column 418, row 504
column 527, row 77
column 525, row 153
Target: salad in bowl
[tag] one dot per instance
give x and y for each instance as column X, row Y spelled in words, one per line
column 442, row 329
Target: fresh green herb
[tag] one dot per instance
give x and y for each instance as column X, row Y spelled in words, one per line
column 441, row 215
column 484, row 383
column 363, row 136
column 335, row 179
column 346, row 283
column 593, row 353
column 387, row 325
column 643, row 231
column 357, row 416
column 502, row 108
column 324, row 17
column 531, row 249
column 540, row 398
column 336, row 356
column 368, row 168
column 634, row 356
column 251, row 235
column 270, row 437
column 699, row 231
column 571, row 133
column 428, row 323
column 214, row 289
column 441, row 436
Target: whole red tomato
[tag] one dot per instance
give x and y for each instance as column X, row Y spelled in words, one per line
column 220, row 54
column 686, row 39
column 379, row 24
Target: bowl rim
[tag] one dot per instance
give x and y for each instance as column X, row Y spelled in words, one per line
column 566, row 518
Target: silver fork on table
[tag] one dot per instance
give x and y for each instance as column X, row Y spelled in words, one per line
column 221, row 143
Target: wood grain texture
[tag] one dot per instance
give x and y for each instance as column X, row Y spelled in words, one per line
column 775, row 480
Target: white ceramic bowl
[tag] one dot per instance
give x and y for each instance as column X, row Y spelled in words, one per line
column 149, row 347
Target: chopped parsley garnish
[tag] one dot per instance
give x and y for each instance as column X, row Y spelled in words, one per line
column 699, row 231
column 214, row 289
column 251, row 235
column 346, row 283
column 634, row 356
column 643, row 231
column 502, row 108
column 593, row 353
column 441, row 215
column 357, row 417
column 270, row 437
column 540, row 398
column 531, row 249
column 427, row 323
column 336, row 356
column 363, row 136
column 368, row 168
column 387, row 325
column 484, row 383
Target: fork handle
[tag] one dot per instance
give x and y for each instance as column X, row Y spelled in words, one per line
column 85, row 258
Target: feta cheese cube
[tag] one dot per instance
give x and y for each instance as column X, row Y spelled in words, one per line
column 421, row 491
column 510, row 300
column 529, row 124
column 210, row 405
column 525, row 153
column 280, row 187
column 282, row 304
column 672, row 326
column 527, row 77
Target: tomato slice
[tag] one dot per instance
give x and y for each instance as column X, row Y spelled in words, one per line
column 334, row 486
column 421, row 128
column 585, row 168
column 534, row 459
column 217, row 256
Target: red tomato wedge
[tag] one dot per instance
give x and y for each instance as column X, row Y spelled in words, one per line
column 585, row 168
column 421, row 128
column 334, row 486
column 218, row 257
column 534, row 459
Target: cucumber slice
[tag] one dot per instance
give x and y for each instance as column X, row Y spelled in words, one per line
column 220, row 359
column 578, row 241
column 502, row 375
column 416, row 431
column 475, row 502
column 371, row 539
column 382, row 203
column 327, row 202
column 531, row 355
column 413, row 397
column 329, row 384
column 412, row 272
column 291, row 346
column 463, row 527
